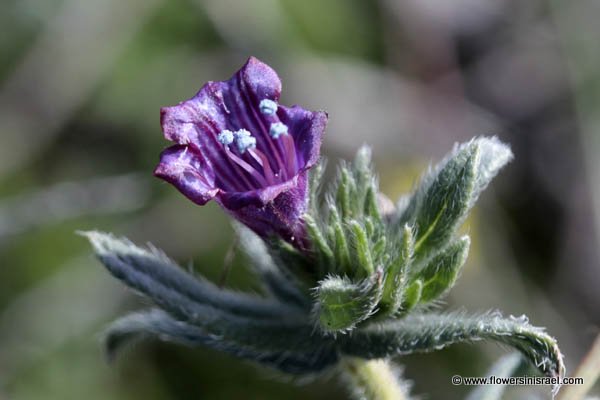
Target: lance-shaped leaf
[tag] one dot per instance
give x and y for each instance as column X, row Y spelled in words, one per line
column 362, row 249
column 446, row 193
column 241, row 320
column 445, row 203
column 412, row 295
column 396, row 275
column 345, row 189
column 507, row 366
column 366, row 182
column 433, row 331
column 155, row 275
column 278, row 282
column 343, row 261
column 440, row 273
column 341, row 304
column 320, row 246
column 316, row 185
column 159, row 324
column 493, row 155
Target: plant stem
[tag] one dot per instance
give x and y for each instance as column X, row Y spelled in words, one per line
column 372, row 379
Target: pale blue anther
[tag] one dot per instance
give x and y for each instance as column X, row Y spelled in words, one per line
column 244, row 143
column 225, row 137
column 267, row 107
column 277, row 129
column 240, row 133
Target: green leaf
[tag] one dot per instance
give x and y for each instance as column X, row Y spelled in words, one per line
column 345, row 187
column 417, row 333
column 316, row 181
column 320, row 245
column 340, row 304
column 362, row 249
column 157, row 323
column 363, row 170
column 445, row 194
column 371, row 206
column 441, row 272
column 343, row 263
column 279, row 282
column 303, row 268
column 445, row 203
column 396, row 275
column 493, row 155
column 152, row 273
column 412, row 296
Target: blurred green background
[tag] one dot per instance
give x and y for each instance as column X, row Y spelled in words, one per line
column 81, row 84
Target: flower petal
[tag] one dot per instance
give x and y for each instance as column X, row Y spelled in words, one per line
column 188, row 170
column 307, row 128
column 261, row 80
column 264, row 187
column 258, row 197
column 232, row 105
column 282, row 216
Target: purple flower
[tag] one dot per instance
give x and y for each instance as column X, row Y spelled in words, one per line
column 236, row 144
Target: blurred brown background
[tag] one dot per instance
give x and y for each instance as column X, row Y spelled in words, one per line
column 81, row 84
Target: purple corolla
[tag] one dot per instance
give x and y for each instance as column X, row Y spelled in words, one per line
column 236, row 144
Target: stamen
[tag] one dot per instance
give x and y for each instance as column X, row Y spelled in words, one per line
column 267, row 107
column 277, row 129
column 241, row 133
column 247, row 167
column 261, row 159
column 225, row 137
column 244, row 143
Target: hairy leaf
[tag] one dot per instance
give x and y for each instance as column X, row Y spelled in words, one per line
column 343, row 262
column 445, row 203
column 238, row 319
column 362, row 250
column 433, row 331
column 320, row 245
column 395, row 278
column 279, row 282
column 493, row 155
column 155, row 275
column 412, row 296
column 316, row 181
column 341, row 304
column 157, row 323
column 448, row 191
column 441, row 271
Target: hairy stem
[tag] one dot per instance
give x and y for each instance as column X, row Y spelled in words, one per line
column 372, row 380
